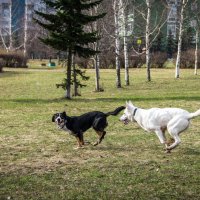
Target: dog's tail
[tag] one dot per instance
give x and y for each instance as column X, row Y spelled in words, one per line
column 116, row 111
column 195, row 114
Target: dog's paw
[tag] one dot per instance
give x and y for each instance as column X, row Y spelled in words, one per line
column 170, row 141
column 167, row 150
column 96, row 143
column 79, row 147
column 86, row 142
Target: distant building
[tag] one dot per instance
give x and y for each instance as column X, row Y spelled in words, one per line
column 16, row 17
column 5, row 16
column 173, row 19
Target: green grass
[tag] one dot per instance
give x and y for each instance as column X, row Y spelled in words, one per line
column 37, row 161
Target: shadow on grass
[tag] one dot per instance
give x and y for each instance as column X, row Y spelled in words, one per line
column 82, row 100
column 191, row 151
column 12, row 73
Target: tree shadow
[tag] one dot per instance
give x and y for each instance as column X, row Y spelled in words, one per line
column 192, row 151
column 106, row 100
column 5, row 74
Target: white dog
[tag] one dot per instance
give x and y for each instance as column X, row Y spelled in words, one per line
column 174, row 120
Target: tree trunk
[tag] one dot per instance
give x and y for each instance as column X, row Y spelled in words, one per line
column 74, row 74
column 196, row 53
column 126, row 60
column 97, row 77
column 25, row 28
column 178, row 59
column 148, row 55
column 10, row 29
column 68, row 82
column 117, row 43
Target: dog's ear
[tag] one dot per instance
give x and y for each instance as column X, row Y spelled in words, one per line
column 64, row 114
column 53, row 118
column 130, row 103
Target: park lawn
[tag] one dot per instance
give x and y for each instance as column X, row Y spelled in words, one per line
column 38, row 161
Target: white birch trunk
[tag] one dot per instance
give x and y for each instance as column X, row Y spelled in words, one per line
column 117, row 43
column 97, row 77
column 196, row 52
column 25, row 28
column 97, row 61
column 148, row 58
column 126, row 60
column 178, row 59
column 10, row 29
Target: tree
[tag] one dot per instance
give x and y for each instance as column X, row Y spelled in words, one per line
column 150, row 15
column 123, row 5
column 148, row 2
column 66, row 30
column 96, row 26
column 196, row 25
column 171, row 45
column 116, row 8
column 180, row 38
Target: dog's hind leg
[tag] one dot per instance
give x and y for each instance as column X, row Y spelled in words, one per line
column 101, row 137
column 175, row 127
column 99, row 125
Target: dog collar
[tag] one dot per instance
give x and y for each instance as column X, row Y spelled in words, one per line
column 134, row 112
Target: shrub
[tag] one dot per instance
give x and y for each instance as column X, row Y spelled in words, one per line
column 137, row 61
column 2, row 64
column 107, row 59
column 12, row 59
column 158, row 59
column 188, row 58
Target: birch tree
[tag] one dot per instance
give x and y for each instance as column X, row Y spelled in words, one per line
column 147, row 34
column 117, row 42
column 123, row 6
column 152, row 27
column 180, row 35
column 95, row 27
column 196, row 51
column 196, row 25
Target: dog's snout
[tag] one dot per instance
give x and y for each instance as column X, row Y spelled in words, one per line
column 58, row 120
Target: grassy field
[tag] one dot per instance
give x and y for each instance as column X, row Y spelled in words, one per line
column 38, row 161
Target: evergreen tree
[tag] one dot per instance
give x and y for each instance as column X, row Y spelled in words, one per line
column 188, row 38
column 171, row 45
column 158, row 44
column 66, row 27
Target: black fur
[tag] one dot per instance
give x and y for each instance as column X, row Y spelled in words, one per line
column 77, row 125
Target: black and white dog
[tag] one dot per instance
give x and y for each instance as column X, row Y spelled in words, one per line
column 77, row 125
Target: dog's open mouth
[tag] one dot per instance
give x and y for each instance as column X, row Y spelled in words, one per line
column 60, row 122
column 126, row 121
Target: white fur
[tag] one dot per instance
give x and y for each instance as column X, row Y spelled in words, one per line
column 175, row 120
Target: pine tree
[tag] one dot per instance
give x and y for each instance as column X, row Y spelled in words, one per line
column 158, row 44
column 67, row 33
column 171, row 45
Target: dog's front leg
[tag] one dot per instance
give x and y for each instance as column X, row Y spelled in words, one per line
column 162, row 138
column 80, row 141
